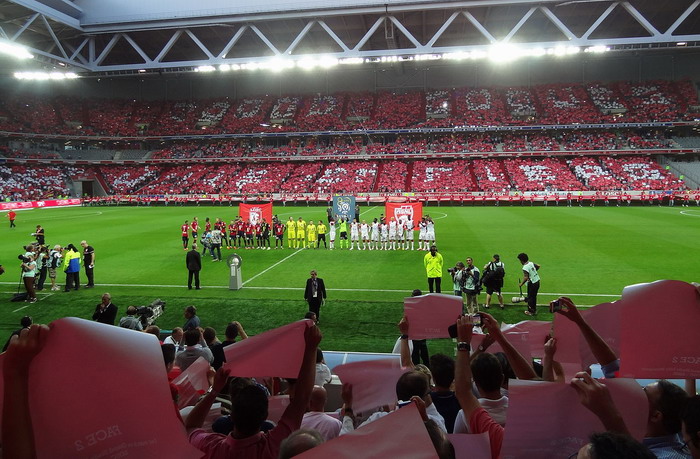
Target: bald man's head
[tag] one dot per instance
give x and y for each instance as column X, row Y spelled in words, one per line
column 317, row 402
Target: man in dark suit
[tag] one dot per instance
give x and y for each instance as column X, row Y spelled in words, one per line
column 106, row 311
column 315, row 294
column 194, row 265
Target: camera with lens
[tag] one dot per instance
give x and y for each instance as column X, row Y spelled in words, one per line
column 148, row 314
column 22, row 258
column 452, row 270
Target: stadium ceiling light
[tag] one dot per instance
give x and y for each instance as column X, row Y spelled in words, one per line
column 351, row 61
column 504, row 52
column 15, row 50
column 224, row 68
column 204, row 68
column 597, row 49
column 45, row 76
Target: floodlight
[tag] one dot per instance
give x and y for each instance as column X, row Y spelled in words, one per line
column 224, row 68
column 15, row 50
column 204, row 68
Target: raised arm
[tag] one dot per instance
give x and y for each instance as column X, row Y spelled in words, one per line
column 406, row 361
column 550, row 348
column 241, row 332
column 198, row 415
column 596, row 397
column 463, row 372
column 305, row 381
column 602, row 352
column 521, row 367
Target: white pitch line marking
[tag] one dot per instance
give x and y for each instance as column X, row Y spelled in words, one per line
column 594, row 295
column 269, row 268
column 685, row 212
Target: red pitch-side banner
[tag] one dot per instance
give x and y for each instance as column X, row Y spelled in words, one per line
column 254, row 213
column 35, row 204
column 404, row 210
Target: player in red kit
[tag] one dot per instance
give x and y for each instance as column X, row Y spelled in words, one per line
column 185, row 231
column 231, row 234
column 278, row 229
column 195, row 229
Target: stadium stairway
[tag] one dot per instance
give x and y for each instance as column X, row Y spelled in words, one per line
column 409, row 175
column 375, row 185
column 473, row 174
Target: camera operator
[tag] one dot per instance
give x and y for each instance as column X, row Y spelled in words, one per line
column 494, row 271
column 458, row 278
column 53, row 263
column 39, row 235
column 471, row 286
column 42, row 260
column 28, row 267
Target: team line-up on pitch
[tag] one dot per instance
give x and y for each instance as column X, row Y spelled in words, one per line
column 378, row 234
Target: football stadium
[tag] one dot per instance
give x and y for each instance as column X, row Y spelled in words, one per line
column 475, row 211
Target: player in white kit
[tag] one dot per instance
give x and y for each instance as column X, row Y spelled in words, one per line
column 364, row 234
column 408, row 233
column 331, row 233
column 422, row 242
column 374, row 237
column 393, row 226
column 429, row 230
column 354, row 235
column 384, row 236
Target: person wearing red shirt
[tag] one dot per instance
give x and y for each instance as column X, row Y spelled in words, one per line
column 12, row 215
column 279, row 234
column 195, row 229
column 207, row 225
column 185, row 231
column 231, row 234
column 248, row 228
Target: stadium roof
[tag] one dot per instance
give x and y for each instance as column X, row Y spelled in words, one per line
column 132, row 35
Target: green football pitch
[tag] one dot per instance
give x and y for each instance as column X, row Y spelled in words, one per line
column 588, row 253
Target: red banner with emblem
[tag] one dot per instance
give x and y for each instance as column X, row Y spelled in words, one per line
column 402, row 211
column 254, row 213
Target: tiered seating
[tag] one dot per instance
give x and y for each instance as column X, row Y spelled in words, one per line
column 321, row 113
column 641, row 173
column 346, row 177
column 490, row 175
column 442, row 176
column 688, row 99
column 126, row 179
column 360, row 108
column 636, row 141
column 437, row 103
column 22, row 183
column 451, row 144
column 593, row 175
column 111, row 116
column 479, row 107
column 398, row 110
column 213, row 111
column 264, row 178
column 566, row 104
column 393, row 177
column 606, row 99
column 336, row 146
column 248, row 115
column 582, row 140
column 35, row 113
column 180, row 179
column 302, row 178
column 541, row 174
column 652, row 101
column 520, row 103
column 284, row 109
column 480, row 143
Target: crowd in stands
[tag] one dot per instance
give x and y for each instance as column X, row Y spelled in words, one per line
column 548, row 398
column 593, row 174
column 541, row 175
column 393, row 177
column 352, row 177
column 443, row 176
column 642, row 173
column 653, row 101
column 29, row 183
column 490, row 175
